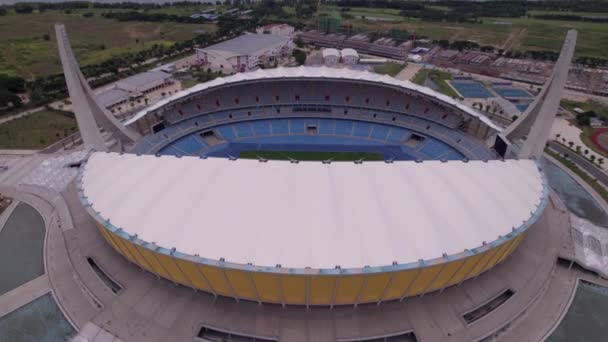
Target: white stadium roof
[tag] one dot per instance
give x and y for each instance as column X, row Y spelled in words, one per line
column 312, row 214
column 312, row 72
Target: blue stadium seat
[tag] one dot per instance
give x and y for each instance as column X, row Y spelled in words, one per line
column 379, row 132
column 362, row 129
column 261, row 127
column 189, row 144
column 434, row 149
column 280, row 126
column 226, row 132
column 397, row 135
column 343, row 127
column 326, row 126
column 296, row 126
column 243, row 129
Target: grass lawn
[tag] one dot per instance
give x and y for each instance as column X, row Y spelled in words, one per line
column 311, row 155
column 598, row 108
column 26, row 53
column 390, row 69
column 529, row 33
column 36, row 131
column 439, row 77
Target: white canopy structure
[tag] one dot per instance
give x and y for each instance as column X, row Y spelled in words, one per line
column 311, row 214
column 304, row 72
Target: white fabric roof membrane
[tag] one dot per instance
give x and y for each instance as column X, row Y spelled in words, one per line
column 313, row 72
column 312, row 214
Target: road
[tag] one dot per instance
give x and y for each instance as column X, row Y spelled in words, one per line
column 581, row 162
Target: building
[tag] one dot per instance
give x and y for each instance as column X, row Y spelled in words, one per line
column 321, row 267
column 349, row 56
column 159, row 242
column 276, row 29
column 331, row 57
column 244, row 53
column 134, row 92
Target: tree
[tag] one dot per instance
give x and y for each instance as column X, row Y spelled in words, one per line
column 300, row 56
column 592, row 158
column 578, row 149
column 299, row 43
column 586, row 152
column 46, row 37
column 600, row 161
column 571, row 143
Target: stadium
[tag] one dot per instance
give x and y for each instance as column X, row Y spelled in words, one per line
column 312, row 186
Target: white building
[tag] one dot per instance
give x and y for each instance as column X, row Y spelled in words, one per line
column 145, row 82
column 134, row 92
column 276, row 29
column 349, row 56
column 245, row 53
column 331, row 56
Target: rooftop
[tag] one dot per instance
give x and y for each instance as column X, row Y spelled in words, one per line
column 312, row 214
column 144, row 78
column 248, row 43
column 331, row 52
column 111, row 96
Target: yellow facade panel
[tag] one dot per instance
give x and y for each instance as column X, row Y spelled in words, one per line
column 487, row 255
column 423, row 279
column 132, row 249
column 113, row 240
column 516, row 241
column 498, row 255
column 174, row 272
column 374, row 287
column 158, row 269
column 123, row 248
column 294, row 289
column 216, row 279
column 322, row 290
column 241, row 284
column 446, row 275
column 348, row 289
column 191, row 272
column 267, row 286
column 401, row 281
column 465, row 270
column 107, row 235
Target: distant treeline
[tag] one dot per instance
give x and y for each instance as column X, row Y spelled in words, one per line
column 470, row 11
column 571, row 17
column 155, row 17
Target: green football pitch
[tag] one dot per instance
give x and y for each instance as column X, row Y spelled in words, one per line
column 311, row 155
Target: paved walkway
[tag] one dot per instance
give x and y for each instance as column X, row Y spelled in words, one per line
column 570, row 132
column 20, row 115
column 7, row 213
column 24, row 294
column 408, row 73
